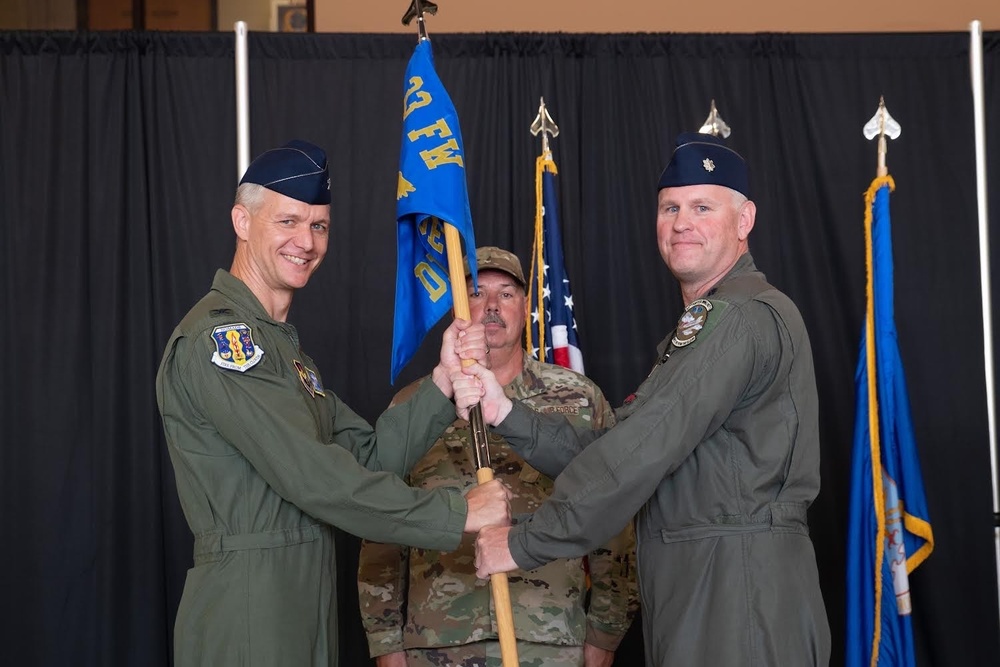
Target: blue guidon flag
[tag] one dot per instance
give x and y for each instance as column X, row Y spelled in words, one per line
column 431, row 191
column 889, row 529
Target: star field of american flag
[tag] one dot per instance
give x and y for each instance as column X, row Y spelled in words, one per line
column 560, row 334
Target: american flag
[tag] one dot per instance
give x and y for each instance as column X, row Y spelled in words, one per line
column 551, row 332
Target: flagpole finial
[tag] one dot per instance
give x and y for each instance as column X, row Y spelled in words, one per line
column 416, row 10
column 881, row 125
column 544, row 124
column 714, row 124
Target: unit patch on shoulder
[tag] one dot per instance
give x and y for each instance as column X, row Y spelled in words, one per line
column 234, row 348
column 691, row 322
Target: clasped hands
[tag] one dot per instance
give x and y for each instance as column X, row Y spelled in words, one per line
column 488, row 504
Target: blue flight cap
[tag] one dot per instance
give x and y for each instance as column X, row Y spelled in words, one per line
column 297, row 170
column 701, row 159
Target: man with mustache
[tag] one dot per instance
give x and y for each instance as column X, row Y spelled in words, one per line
column 422, row 608
column 717, row 450
column 268, row 460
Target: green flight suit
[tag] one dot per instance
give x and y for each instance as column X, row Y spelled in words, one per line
column 266, row 461
column 718, row 453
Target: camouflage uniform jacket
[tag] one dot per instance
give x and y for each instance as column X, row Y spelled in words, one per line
column 419, row 598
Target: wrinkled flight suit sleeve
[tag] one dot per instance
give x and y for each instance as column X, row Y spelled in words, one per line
column 414, row 426
column 623, row 468
column 533, row 436
column 270, row 427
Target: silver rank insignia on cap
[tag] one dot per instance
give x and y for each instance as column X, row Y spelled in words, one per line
column 234, row 348
column 691, row 322
column 708, row 164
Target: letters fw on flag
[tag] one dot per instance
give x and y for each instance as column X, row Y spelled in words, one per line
column 551, row 333
column 431, row 190
column 889, row 532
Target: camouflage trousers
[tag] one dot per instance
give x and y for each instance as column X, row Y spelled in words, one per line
column 487, row 654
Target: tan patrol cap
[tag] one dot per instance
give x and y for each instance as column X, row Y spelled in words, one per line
column 491, row 257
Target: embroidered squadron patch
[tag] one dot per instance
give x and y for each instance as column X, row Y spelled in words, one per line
column 304, row 377
column 309, row 379
column 691, row 322
column 234, row 348
column 314, row 381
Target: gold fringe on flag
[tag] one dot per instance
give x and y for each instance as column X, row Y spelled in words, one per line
column 536, row 281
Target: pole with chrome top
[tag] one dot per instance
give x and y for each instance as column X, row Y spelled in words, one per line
column 480, row 437
column 979, row 119
column 242, row 101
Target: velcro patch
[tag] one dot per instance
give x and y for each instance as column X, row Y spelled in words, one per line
column 234, row 348
column 691, row 322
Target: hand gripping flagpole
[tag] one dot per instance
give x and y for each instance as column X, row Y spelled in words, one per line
column 480, row 436
column 242, row 101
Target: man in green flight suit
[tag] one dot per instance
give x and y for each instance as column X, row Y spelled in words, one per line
column 267, row 459
column 717, row 450
column 423, row 608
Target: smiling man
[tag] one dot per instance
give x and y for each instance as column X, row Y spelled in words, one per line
column 267, row 459
column 717, row 450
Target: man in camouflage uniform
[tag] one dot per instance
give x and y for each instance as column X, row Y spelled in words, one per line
column 423, row 607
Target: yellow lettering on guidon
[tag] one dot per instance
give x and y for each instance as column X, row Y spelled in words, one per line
column 440, row 128
column 422, row 98
column 432, row 281
column 433, row 230
column 446, row 153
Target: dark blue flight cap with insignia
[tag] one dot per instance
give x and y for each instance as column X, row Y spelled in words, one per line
column 297, row 170
column 701, row 159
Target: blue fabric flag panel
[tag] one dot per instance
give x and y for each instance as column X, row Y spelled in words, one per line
column 889, row 530
column 431, row 191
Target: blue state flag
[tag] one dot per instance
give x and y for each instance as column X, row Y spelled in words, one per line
column 551, row 334
column 889, row 531
column 431, row 190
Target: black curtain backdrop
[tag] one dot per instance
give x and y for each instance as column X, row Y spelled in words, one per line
column 117, row 169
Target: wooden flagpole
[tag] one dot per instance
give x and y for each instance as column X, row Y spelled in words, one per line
column 480, row 438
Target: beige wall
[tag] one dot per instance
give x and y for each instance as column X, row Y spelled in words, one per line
column 256, row 13
column 578, row 15
column 663, row 16
column 37, row 14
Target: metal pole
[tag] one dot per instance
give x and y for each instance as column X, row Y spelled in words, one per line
column 242, row 101
column 979, row 116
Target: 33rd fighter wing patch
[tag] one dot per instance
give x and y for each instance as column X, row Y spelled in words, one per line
column 691, row 322
column 234, row 348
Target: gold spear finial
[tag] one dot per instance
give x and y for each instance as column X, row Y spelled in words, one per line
column 544, row 124
column 881, row 125
column 714, row 124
